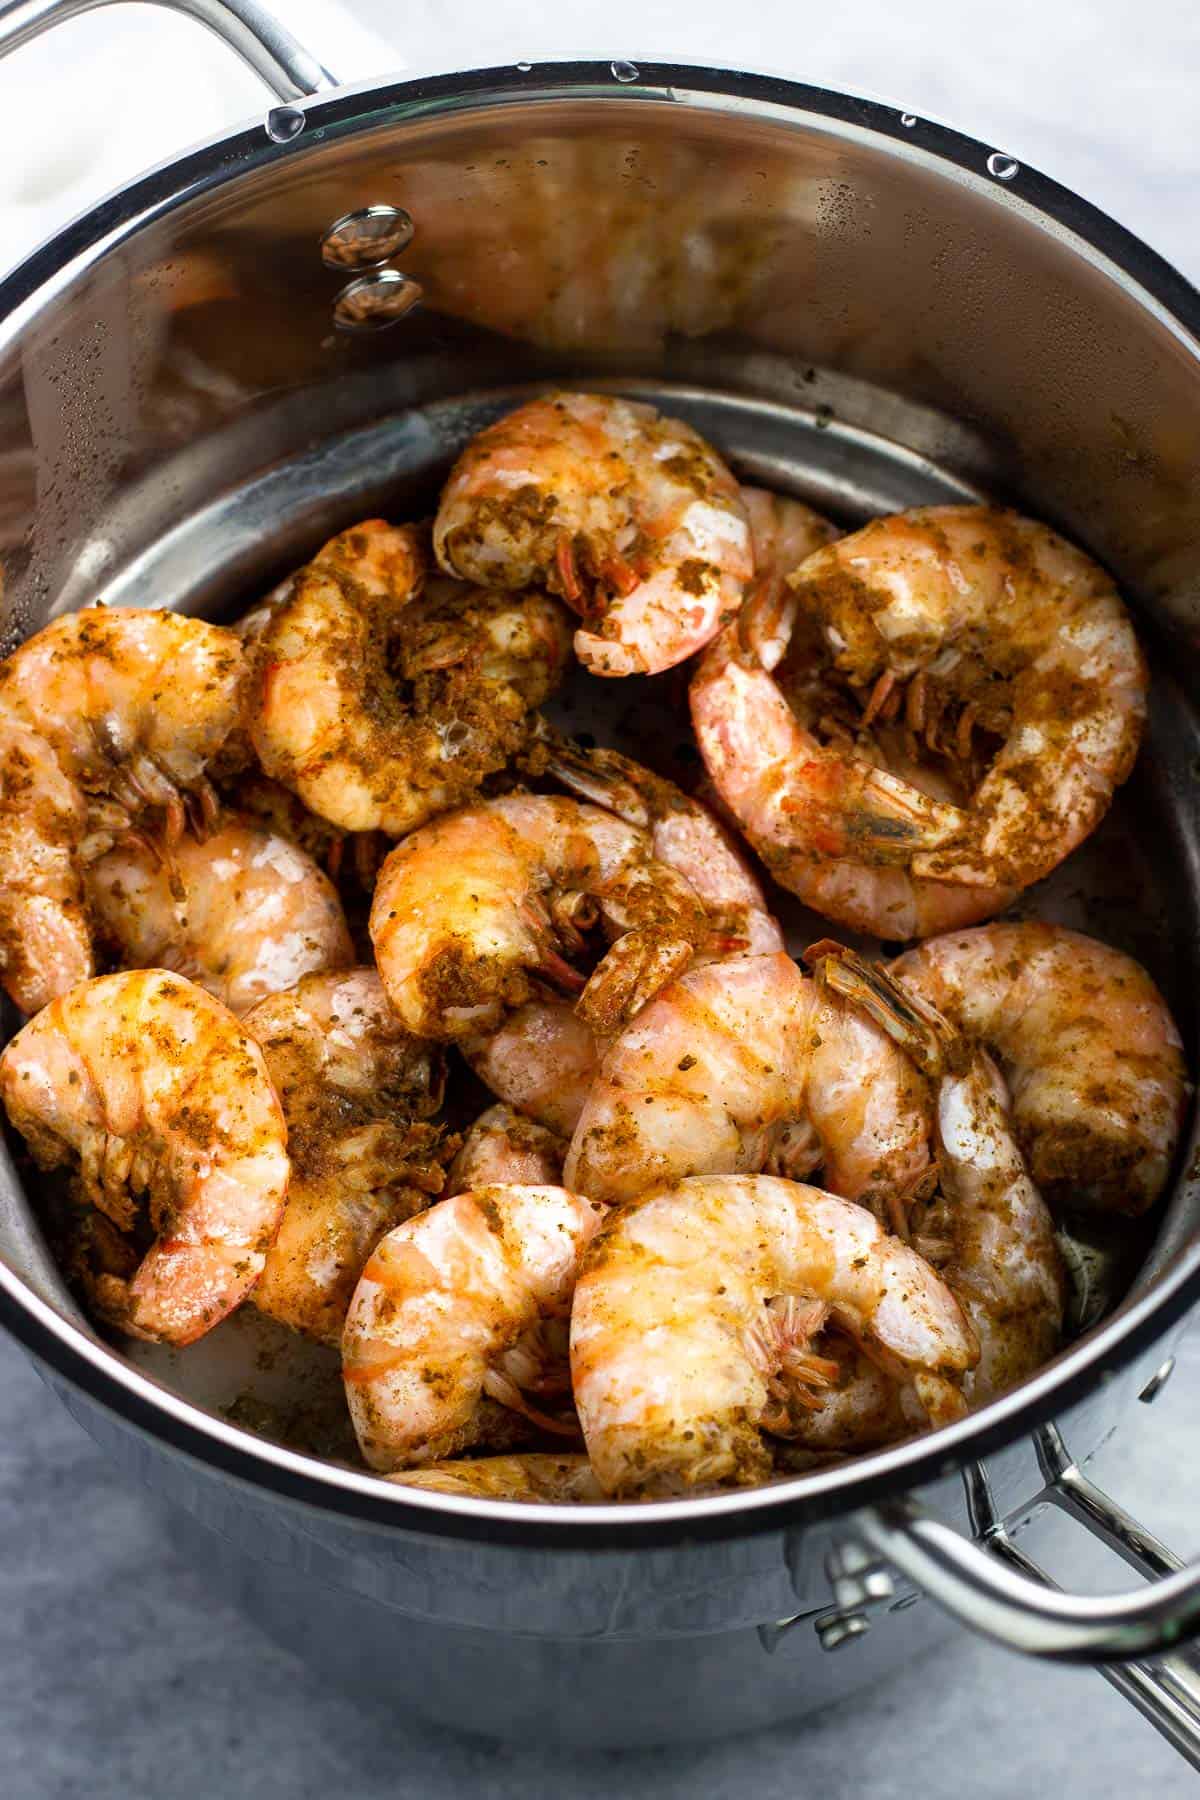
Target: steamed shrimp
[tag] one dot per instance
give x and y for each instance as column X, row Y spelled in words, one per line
column 988, row 623
column 744, row 1065
column 541, row 1059
column 504, row 1148
column 244, row 913
column 534, row 1476
column 448, row 1334
column 684, row 834
column 694, row 1314
column 360, row 1097
column 544, row 1057
column 631, row 517
column 108, row 718
column 151, row 1088
column 1086, row 1043
column 825, row 794
column 471, row 910
column 45, row 932
column 351, row 859
column 784, row 533
column 380, row 708
column 987, row 1229
column 135, row 705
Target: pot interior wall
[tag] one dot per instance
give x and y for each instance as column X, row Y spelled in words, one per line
column 654, row 236
column 851, row 318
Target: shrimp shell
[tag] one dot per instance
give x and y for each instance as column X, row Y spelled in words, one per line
column 107, row 716
column 468, row 913
column 743, row 1065
column 1012, row 621
column 151, row 1087
column 442, row 1303
column 45, row 933
column 830, row 827
column 245, row 913
column 368, row 752
column 535, row 1477
column 360, row 1097
column 1087, row 1044
column 632, row 517
column 673, row 1358
column 503, row 1148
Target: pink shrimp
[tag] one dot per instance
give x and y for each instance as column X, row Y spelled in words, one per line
column 630, row 516
column 151, row 1087
column 443, row 1330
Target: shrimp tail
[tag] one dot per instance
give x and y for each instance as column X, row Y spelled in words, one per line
column 889, row 814
column 942, row 1400
column 591, row 777
column 909, row 1020
column 847, row 806
column 630, row 974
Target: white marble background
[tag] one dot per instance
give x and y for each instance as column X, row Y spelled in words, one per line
column 121, row 1676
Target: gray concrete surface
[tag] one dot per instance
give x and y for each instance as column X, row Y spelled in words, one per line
column 120, row 1675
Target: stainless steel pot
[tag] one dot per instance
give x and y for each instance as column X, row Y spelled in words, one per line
column 858, row 304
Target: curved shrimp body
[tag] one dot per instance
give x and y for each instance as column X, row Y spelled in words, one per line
column 986, row 1228
column 1006, row 628
column 360, row 1097
column 380, row 710
column 504, row 1148
column 741, row 1065
column 631, row 517
column 135, row 705
column 106, row 716
column 350, row 859
column 684, row 834
column 438, row 1337
column 245, row 913
column 534, row 1476
column 45, row 933
column 469, row 910
column 1087, row 1045
column 833, row 824
column 1004, row 1264
column 693, row 1315
column 784, row 533
column 541, row 1059
column 153, row 1088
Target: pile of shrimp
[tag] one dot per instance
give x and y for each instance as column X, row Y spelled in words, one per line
column 358, row 994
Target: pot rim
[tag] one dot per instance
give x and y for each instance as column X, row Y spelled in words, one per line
column 73, row 1354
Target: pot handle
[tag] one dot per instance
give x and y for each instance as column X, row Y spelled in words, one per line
column 995, row 1588
column 273, row 53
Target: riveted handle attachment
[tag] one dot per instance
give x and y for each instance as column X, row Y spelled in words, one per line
column 1139, row 1640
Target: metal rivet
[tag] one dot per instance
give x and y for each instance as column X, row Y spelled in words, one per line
column 624, row 71
column 373, row 302
column 1158, row 1381
column 836, row 1630
column 908, row 120
column 366, row 238
column 904, row 1602
column 1001, row 166
column 284, row 123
